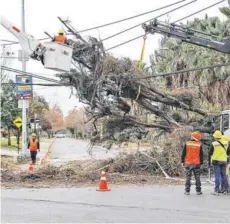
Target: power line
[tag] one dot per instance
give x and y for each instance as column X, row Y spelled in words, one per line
column 208, row 7
column 111, row 23
column 125, row 42
column 30, row 74
column 133, row 28
column 186, row 70
column 128, row 18
column 139, row 24
column 36, row 84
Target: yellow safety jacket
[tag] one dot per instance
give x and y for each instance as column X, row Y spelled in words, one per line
column 220, row 152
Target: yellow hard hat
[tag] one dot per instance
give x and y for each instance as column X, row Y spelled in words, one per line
column 60, row 31
column 224, row 138
column 33, row 135
column 217, row 134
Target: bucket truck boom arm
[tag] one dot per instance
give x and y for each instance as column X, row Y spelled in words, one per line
column 29, row 44
column 53, row 55
column 188, row 35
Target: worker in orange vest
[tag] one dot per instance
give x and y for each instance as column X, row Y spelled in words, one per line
column 34, row 147
column 61, row 38
column 192, row 159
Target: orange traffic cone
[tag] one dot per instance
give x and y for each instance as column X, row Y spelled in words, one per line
column 31, row 169
column 103, row 183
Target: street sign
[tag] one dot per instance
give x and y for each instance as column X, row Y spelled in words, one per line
column 18, row 122
column 24, row 87
column 20, row 103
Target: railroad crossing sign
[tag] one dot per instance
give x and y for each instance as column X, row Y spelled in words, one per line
column 18, row 122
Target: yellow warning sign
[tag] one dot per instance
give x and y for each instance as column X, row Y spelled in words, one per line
column 18, row 122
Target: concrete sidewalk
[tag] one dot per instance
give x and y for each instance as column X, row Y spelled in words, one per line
column 44, row 146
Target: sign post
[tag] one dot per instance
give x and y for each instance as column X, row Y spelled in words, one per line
column 24, row 93
column 18, row 124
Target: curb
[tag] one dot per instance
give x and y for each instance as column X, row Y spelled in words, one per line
column 44, row 159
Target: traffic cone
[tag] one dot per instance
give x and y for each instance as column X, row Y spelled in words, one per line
column 103, row 183
column 31, row 169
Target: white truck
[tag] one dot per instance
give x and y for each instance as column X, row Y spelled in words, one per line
column 225, row 123
column 55, row 56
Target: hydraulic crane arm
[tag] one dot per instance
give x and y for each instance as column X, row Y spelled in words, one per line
column 29, row 44
column 55, row 56
column 188, row 35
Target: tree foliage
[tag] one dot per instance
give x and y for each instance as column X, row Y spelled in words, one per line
column 9, row 107
column 55, row 118
column 110, row 86
column 212, row 85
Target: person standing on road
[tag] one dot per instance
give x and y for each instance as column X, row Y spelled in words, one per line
column 218, row 154
column 225, row 139
column 192, row 159
column 34, row 147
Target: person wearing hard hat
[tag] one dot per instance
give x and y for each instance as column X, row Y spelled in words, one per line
column 60, row 38
column 192, row 159
column 218, row 157
column 225, row 139
column 34, row 147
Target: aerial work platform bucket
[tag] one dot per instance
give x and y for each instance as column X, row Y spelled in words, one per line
column 57, row 56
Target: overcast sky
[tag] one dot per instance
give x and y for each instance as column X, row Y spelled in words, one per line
column 41, row 15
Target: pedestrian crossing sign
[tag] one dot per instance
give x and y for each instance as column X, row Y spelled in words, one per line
column 18, row 122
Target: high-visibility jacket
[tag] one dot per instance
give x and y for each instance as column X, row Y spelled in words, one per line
column 60, row 39
column 219, row 152
column 194, row 153
column 33, row 145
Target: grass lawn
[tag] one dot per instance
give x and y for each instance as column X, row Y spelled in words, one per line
column 4, row 143
column 14, row 145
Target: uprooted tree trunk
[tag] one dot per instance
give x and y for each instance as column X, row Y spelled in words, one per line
column 107, row 85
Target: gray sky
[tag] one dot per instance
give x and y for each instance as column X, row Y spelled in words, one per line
column 42, row 16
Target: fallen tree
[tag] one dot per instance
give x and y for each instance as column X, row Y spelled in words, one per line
column 110, row 86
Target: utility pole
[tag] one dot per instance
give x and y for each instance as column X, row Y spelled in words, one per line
column 24, row 117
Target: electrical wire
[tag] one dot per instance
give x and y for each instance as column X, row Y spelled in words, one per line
column 125, row 42
column 114, row 22
column 128, row 18
column 192, row 14
column 146, row 77
column 30, row 74
column 186, row 70
column 35, row 84
column 139, row 24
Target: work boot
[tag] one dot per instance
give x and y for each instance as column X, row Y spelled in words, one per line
column 199, row 193
column 187, row 193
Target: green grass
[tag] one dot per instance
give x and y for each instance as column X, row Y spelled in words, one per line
column 14, row 145
column 4, row 143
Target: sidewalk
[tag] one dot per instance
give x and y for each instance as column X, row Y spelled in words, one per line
column 44, row 146
column 9, row 152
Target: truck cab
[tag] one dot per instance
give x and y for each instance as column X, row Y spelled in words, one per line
column 225, row 123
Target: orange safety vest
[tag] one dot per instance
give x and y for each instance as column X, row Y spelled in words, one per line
column 33, row 145
column 60, row 38
column 192, row 153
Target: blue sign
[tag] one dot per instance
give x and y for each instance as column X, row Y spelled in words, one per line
column 24, row 87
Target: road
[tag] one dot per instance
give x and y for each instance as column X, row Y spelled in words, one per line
column 67, row 149
column 123, row 204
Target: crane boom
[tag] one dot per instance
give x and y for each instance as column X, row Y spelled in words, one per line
column 55, row 56
column 29, row 44
column 188, row 35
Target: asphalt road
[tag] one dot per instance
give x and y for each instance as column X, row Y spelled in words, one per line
column 67, row 149
column 124, row 204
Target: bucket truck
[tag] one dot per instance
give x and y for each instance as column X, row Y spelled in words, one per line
column 198, row 38
column 55, row 56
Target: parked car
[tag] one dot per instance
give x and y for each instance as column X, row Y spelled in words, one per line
column 60, row 135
